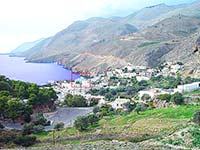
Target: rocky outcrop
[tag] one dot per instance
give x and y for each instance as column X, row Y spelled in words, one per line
column 45, row 108
column 197, row 46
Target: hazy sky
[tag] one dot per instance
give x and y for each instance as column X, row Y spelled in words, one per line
column 28, row 20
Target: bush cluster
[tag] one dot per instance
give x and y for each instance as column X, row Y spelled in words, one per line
column 84, row 122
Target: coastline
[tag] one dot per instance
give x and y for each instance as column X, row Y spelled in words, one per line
column 27, row 70
column 4, row 53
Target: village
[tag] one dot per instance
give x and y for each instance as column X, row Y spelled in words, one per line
column 115, row 79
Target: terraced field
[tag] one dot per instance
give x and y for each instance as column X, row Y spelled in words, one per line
column 126, row 127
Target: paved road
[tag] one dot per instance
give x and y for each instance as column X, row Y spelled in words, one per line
column 16, row 126
column 67, row 115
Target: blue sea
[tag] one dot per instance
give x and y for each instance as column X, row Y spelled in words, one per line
column 40, row 73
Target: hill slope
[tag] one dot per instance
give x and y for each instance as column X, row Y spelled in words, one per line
column 146, row 16
column 100, row 43
column 152, row 124
column 24, row 47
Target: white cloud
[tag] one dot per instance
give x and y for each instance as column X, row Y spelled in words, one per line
column 12, row 41
column 41, row 17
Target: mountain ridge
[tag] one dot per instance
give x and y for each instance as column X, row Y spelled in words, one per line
column 25, row 46
column 139, row 39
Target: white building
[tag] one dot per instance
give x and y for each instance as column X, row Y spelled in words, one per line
column 139, row 67
column 165, row 71
column 156, row 91
column 128, row 75
column 140, row 78
column 175, row 68
column 102, row 102
column 109, row 74
column 119, row 103
column 118, row 72
column 188, row 87
column 151, row 93
column 129, row 68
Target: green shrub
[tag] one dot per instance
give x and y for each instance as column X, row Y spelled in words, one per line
column 107, row 110
column 31, row 128
column 5, row 86
column 75, row 101
column 96, row 109
column 169, row 141
column 93, row 102
column 27, row 117
column 182, row 133
column 196, row 136
column 40, row 120
column 146, row 97
column 82, row 123
column 164, row 97
column 177, row 98
column 25, row 141
column 59, row 126
column 130, row 106
column 178, row 141
column 139, row 108
column 7, row 136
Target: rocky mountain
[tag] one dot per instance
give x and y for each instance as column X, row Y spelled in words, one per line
column 197, row 48
column 38, row 49
column 93, row 37
column 148, row 37
column 24, row 47
column 146, row 16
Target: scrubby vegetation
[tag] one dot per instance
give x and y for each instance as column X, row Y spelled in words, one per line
column 131, row 127
column 165, row 97
column 17, row 98
column 196, row 118
column 15, row 138
column 130, row 87
column 83, row 123
column 36, row 125
column 124, row 90
column 78, row 101
column 169, row 81
column 75, row 101
column 59, row 126
column 176, row 98
column 195, row 132
column 140, row 121
column 25, row 141
column 18, row 101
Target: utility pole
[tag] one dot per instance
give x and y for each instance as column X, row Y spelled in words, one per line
column 54, row 139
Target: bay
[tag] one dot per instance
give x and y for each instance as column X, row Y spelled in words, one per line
column 16, row 68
